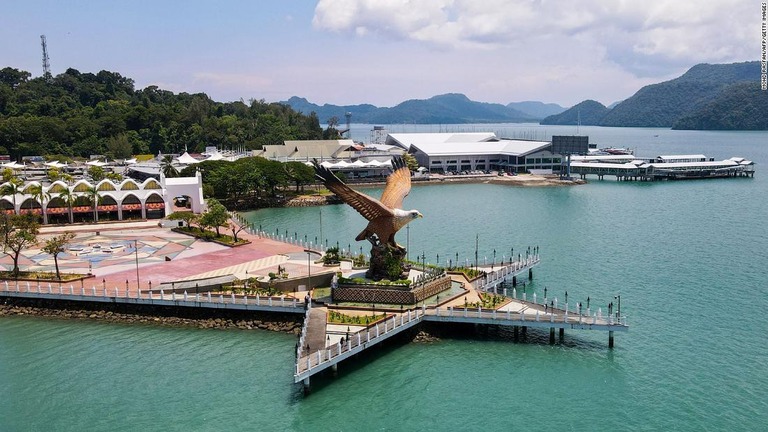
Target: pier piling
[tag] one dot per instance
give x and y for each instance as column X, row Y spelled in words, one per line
column 610, row 339
column 551, row 335
column 562, row 334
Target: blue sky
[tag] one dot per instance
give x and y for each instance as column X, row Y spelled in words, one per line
column 383, row 51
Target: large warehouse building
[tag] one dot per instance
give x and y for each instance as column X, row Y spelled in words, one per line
column 452, row 152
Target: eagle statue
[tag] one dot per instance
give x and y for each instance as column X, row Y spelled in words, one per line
column 384, row 216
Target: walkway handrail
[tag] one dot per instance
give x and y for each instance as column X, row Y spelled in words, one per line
column 101, row 291
column 358, row 340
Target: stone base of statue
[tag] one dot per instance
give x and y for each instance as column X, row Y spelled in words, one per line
column 387, row 263
column 411, row 293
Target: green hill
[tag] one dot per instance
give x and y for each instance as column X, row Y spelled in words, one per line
column 587, row 113
column 661, row 105
column 80, row 114
column 447, row 108
column 740, row 106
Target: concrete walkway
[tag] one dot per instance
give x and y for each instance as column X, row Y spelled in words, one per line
column 316, row 329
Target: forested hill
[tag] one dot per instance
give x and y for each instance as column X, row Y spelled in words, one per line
column 740, row 106
column 587, row 113
column 705, row 97
column 446, row 108
column 80, row 114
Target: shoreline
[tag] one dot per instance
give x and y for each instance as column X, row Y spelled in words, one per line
column 521, row 180
column 163, row 316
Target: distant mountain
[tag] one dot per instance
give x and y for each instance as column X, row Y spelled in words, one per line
column 705, row 97
column 327, row 111
column 536, row 109
column 740, row 106
column 587, row 113
column 661, row 105
column 447, row 108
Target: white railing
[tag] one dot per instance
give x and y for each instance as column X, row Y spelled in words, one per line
column 84, row 293
column 358, row 340
column 536, row 315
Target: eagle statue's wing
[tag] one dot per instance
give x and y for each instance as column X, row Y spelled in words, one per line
column 398, row 184
column 369, row 207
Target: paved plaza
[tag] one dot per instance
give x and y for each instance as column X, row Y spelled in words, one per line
column 113, row 252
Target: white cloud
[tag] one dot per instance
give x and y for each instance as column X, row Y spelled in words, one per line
column 649, row 37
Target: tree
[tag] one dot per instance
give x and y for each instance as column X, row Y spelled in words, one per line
column 300, row 174
column 42, row 196
column 96, row 173
column 17, row 233
column 119, row 147
column 216, row 216
column 56, row 245
column 69, row 199
column 187, row 217
column 235, row 228
column 411, row 162
column 167, row 168
column 7, row 174
column 92, row 193
column 53, row 174
column 12, row 188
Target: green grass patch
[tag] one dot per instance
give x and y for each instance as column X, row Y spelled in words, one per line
column 340, row 318
column 207, row 235
column 487, row 301
column 43, row 276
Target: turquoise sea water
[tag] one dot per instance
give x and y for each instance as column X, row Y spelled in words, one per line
column 688, row 259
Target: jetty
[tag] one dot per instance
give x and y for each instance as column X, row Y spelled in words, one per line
column 669, row 167
column 322, row 345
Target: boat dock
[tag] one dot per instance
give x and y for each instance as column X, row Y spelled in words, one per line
column 672, row 167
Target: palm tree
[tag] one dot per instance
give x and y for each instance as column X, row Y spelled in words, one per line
column 69, row 198
column 12, row 188
column 92, row 193
column 167, row 168
column 41, row 195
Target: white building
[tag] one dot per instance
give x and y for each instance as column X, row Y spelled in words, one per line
column 127, row 199
column 451, row 152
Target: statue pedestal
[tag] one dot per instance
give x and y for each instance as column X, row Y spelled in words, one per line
column 386, row 263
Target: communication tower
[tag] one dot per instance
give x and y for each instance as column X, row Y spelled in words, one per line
column 348, row 115
column 46, row 60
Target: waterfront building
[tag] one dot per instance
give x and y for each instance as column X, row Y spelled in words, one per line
column 123, row 200
column 457, row 152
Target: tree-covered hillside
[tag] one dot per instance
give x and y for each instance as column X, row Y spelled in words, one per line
column 741, row 106
column 661, row 105
column 80, row 114
column 587, row 113
column 446, row 108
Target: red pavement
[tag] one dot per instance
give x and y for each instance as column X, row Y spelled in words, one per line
column 182, row 267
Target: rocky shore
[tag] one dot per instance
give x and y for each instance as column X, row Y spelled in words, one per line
column 153, row 315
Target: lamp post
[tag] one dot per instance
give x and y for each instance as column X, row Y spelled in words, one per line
column 618, row 309
column 407, row 240
column 309, row 270
column 136, row 249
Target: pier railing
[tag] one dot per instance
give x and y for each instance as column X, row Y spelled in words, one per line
column 103, row 294
column 312, row 363
column 498, row 275
column 529, row 317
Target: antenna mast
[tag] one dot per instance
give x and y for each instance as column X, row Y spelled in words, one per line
column 46, row 60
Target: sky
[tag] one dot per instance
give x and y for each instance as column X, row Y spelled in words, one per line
column 383, row 52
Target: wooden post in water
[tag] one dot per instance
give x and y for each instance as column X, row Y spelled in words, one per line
column 551, row 335
column 610, row 339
